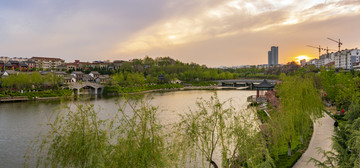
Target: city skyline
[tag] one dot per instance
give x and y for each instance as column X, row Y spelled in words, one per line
column 214, row 33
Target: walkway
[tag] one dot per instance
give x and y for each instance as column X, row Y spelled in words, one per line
column 323, row 131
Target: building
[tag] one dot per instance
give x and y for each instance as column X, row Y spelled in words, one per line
column 71, row 66
column 4, row 59
column 315, row 62
column 47, row 62
column 273, row 56
column 354, row 56
column 78, row 75
column 346, row 58
column 303, row 62
column 94, row 74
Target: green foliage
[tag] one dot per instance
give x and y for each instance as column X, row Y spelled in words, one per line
column 3, row 94
column 119, row 89
column 347, row 138
column 300, row 106
column 79, row 138
column 49, row 93
column 25, row 81
column 340, row 88
column 140, row 140
column 286, row 161
column 343, row 89
column 74, row 139
column 33, row 94
column 201, row 83
column 262, row 116
column 212, row 126
column 150, row 69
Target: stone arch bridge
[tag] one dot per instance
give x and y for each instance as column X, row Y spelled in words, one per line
column 93, row 88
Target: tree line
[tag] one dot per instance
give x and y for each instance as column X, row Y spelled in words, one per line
column 31, row 81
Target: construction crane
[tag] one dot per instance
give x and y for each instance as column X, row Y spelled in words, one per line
column 319, row 48
column 339, row 42
column 324, row 49
column 327, row 50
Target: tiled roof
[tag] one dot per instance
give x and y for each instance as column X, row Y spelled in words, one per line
column 95, row 72
column 264, row 84
column 23, row 64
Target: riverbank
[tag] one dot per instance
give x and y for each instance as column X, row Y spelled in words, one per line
column 25, row 98
column 35, row 98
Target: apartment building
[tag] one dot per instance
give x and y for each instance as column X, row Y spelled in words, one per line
column 346, row 58
column 47, row 62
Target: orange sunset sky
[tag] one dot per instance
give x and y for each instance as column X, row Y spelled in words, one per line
column 210, row 32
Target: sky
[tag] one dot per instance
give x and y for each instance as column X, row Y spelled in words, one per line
column 210, row 32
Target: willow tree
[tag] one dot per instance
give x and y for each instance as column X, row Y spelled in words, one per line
column 140, row 141
column 300, row 106
column 329, row 84
column 78, row 137
column 215, row 132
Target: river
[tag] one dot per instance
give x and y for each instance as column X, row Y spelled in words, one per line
column 20, row 122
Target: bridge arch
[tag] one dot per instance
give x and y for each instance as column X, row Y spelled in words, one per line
column 93, row 88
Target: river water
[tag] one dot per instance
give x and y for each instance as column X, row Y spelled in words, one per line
column 20, row 122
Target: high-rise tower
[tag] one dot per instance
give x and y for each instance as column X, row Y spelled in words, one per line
column 273, row 55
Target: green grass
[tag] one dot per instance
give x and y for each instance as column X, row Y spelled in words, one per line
column 262, row 116
column 285, row 161
column 46, row 93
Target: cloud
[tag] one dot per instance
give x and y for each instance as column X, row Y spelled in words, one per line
column 201, row 31
column 230, row 18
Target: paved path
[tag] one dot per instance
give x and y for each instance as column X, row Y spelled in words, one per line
column 323, row 131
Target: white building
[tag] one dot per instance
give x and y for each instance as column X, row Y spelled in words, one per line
column 5, row 59
column 346, row 58
column 315, row 62
column 47, row 62
column 354, row 56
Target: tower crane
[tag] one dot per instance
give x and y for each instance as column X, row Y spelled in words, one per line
column 339, row 42
column 319, row 48
column 327, row 51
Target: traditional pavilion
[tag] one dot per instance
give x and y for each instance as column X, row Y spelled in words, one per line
column 263, row 86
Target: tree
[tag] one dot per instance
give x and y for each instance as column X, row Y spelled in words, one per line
column 212, row 127
column 80, row 138
column 300, row 106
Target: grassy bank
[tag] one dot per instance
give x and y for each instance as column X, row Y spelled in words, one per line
column 284, row 160
column 32, row 94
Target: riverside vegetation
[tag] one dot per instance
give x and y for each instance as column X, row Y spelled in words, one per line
column 215, row 134
column 342, row 90
column 139, row 75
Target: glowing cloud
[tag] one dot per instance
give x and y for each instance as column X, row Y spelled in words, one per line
column 231, row 18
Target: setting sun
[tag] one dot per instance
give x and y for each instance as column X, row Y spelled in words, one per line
column 301, row 57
